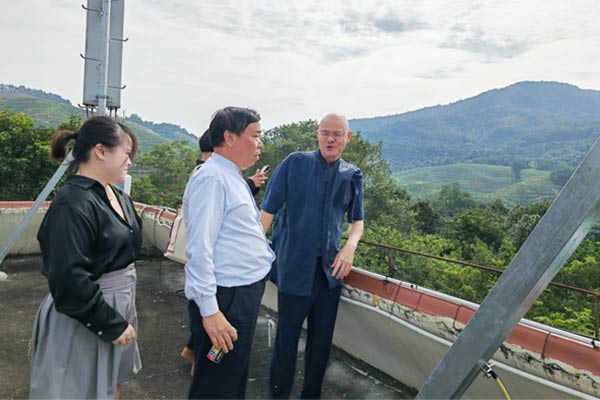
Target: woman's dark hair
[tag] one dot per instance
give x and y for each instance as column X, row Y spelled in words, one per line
column 204, row 142
column 134, row 140
column 232, row 119
column 95, row 130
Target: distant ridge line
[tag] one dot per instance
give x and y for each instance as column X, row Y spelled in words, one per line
column 8, row 88
column 547, row 125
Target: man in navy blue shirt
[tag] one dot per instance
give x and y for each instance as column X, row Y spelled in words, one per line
column 310, row 193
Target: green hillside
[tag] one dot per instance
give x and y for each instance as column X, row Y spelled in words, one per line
column 45, row 113
column 486, row 182
column 50, row 114
column 147, row 138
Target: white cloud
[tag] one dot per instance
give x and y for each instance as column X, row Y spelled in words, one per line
column 299, row 59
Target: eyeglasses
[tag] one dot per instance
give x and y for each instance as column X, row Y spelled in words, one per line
column 333, row 134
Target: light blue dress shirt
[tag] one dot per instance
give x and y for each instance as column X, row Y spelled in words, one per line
column 226, row 245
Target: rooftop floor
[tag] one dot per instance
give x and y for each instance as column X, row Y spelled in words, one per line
column 162, row 333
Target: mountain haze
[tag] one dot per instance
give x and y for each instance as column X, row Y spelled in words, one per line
column 548, row 125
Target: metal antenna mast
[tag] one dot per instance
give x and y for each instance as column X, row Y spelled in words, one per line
column 103, row 68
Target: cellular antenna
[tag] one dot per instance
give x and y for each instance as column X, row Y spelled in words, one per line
column 103, row 56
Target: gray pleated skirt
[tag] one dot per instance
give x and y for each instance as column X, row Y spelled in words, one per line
column 71, row 362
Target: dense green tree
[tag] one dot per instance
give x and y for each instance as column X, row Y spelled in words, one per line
column 25, row 166
column 521, row 220
column 580, row 321
column 477, row 224
column 426, row 218
column 516, row 167
column 286, row 139
column 144, row 191
column 168, row 167
column 383, row 198
column 497, row 206
column 518, row 232
column 560, row 177
column 451, row 200
column 281, row 141
column 72, row 124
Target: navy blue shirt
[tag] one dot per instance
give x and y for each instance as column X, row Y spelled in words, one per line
column 310, row 198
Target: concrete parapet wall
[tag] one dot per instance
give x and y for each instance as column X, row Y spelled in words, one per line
column 156, row 225
column 11, row 214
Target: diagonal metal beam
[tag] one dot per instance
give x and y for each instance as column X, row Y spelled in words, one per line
column 554, row 239
column 16, row 234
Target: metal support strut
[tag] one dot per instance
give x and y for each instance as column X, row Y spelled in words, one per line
column 16, row 234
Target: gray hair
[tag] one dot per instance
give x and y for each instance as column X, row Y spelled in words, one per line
column 339, row 117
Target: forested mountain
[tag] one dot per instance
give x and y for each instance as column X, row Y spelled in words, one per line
column 49, row 110
column 166, row 130
column 547, row 125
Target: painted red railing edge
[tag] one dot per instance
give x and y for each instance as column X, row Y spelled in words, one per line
column 21, row 204
column 548, row 345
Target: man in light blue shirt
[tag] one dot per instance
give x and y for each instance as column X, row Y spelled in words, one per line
column 228, row 254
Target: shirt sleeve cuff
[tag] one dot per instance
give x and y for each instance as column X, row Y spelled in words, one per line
column 208, row 306
column 265, row 206
column 106, row 323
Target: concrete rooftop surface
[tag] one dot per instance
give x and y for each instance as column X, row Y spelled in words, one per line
column 163, row 331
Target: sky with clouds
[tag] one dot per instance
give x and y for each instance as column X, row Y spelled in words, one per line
column 299, row 59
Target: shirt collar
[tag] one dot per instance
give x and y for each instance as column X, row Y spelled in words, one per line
column 82, row 181
column 224, row 162
column 324, row 162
